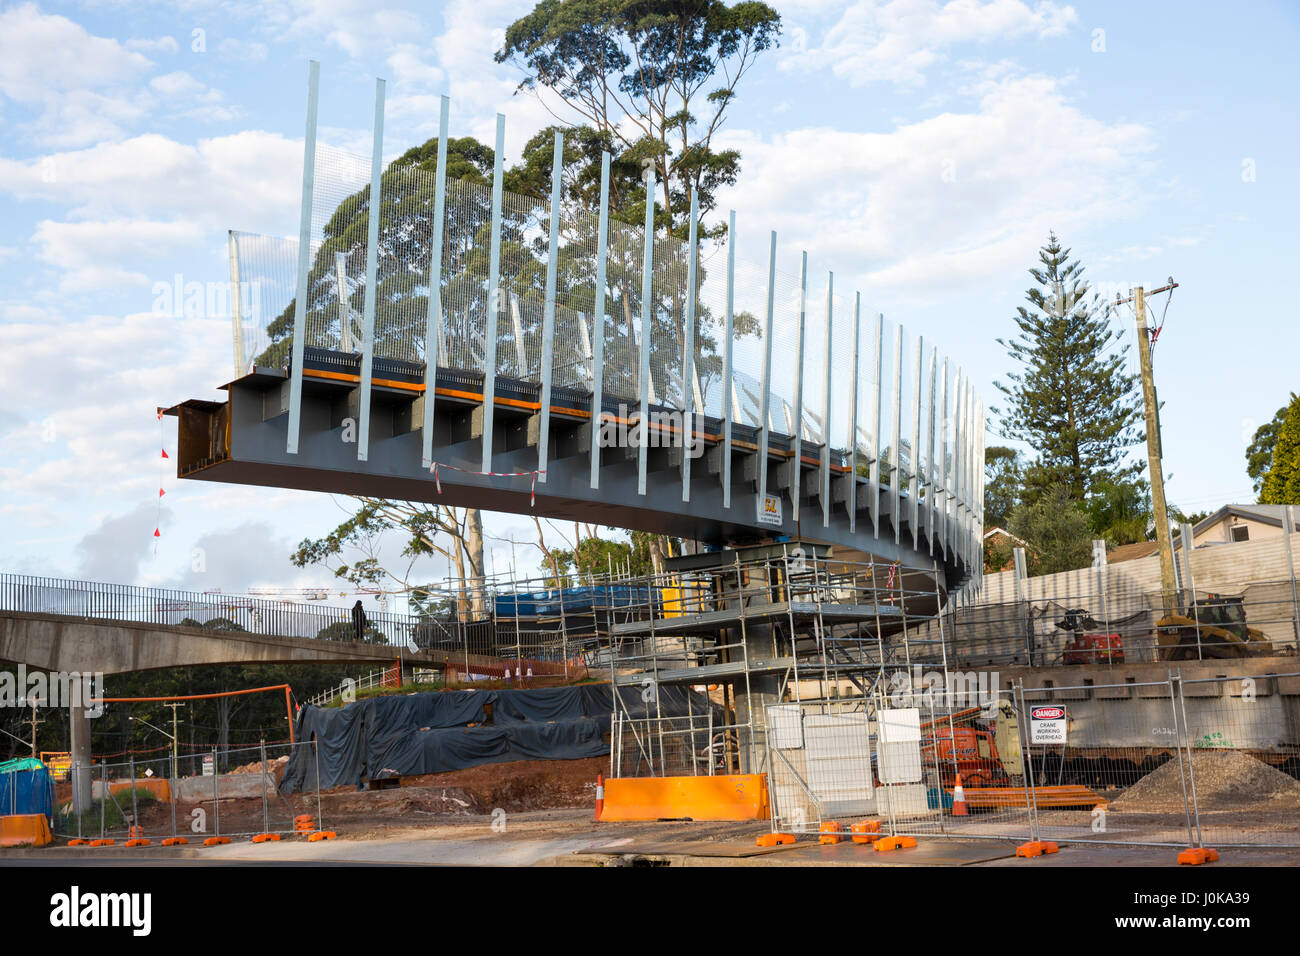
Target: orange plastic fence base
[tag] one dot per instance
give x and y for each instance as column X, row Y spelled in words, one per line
column 101, row 842
column 895, row 842
column 830, row 833
column 774, row 839
column 138, row 841
column 175, row 841
column 78, row 842
column 1036, row 848
column 216, row 841
column 865, row 831
column 322, row 835
column 1195, row 856
column 266, row 837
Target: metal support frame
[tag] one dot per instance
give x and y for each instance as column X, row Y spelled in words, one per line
column 796, row 488
column 647, row 319
column 944, row 458
column 929, row 455
column 896, row 457
column 853, row 416
column 728, row 409
column 548, row 312
column 875, row 425
column 304, row 259
column 236, row 303
column 688, row 351
column 493, row 299
column 433, row 334
column 598, row 323
column 826, row 403
column 373, row 214
column 914, row 488
column 765, row 396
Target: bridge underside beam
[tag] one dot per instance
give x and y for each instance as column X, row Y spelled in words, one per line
column 243, row 441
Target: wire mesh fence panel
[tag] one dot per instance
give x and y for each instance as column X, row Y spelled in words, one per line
column 1244, row 757
column 669, row 746
column 466, row 241
column 1107, row 763
column 950, row 761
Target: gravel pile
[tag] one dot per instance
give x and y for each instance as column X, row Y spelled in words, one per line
column 1225, row 780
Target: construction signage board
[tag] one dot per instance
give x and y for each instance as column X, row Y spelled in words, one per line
column 208, row 765
column 769, row 510
column 1048, row 724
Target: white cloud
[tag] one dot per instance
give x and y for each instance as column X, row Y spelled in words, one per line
column 944, row 201
column 898, row 41
column 81, row 86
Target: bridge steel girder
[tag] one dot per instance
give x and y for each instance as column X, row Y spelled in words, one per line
column 242, row 441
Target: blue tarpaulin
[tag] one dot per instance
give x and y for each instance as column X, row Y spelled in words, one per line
column 26, row 787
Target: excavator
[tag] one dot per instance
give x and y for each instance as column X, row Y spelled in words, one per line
column 1214, row 627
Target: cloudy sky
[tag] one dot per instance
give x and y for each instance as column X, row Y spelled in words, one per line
column 920, row 150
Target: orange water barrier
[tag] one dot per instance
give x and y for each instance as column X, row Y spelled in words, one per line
column 25, row 829
column 724, row 797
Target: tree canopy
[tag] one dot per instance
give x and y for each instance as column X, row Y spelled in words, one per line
column 1282, row 483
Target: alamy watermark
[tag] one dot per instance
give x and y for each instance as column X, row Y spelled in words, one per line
column 663, row 429
column 22, row 688
column 955, row 689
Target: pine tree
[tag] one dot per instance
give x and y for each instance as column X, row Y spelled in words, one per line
column 1071, row 399
column 1282, row 483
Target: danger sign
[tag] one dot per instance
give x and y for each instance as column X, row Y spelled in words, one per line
column 1048, row 724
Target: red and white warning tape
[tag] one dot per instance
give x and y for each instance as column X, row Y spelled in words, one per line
column 532, row 490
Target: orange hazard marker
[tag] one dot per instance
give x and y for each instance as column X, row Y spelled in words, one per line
column 322, row 835
column 175, row 841
column 895, row 842
column 600, row 795
column 830, row 833
column 1036, row 848
column 774, row 839
column 1196, row 855
column 959, row 799
column 264, row 837
column 216, row 841
column 865, row 831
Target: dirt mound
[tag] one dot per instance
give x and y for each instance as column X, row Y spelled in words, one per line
column 1225, row 780
column 273, row 765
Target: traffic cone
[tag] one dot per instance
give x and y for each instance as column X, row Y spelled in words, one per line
column 958, row 799
column 600, row 795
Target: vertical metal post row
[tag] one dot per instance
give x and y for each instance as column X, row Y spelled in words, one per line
column 929, row 457
column 372, row 273
column 957, row 439
column 853, row 416
column 548, row 309
column 727, row 408
column 765, row 396
column 236, row 304
column 895, row 458
column 914, row 489
column 875, row 427
column 944, row 484
column 598, row 324
column 826, row 403
column 433, row 334
column 493, row 300
column 796, row 487
column 304, row 259
column 688, row 352
column 647, row 319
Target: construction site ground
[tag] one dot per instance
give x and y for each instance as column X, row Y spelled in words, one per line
column 570, row 837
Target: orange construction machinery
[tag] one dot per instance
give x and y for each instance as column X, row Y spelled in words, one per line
column 991, row 777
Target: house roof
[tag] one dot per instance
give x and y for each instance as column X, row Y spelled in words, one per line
column 1264, row 514
column 1131, row 552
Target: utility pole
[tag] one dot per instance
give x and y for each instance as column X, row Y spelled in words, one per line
column 176, row 746
column 1164, row 540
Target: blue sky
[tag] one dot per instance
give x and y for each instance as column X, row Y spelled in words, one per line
column 920, row 150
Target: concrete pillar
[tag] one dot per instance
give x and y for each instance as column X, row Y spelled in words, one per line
column 79, row 728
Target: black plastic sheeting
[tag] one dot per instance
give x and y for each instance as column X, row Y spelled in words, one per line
column 430, row 733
